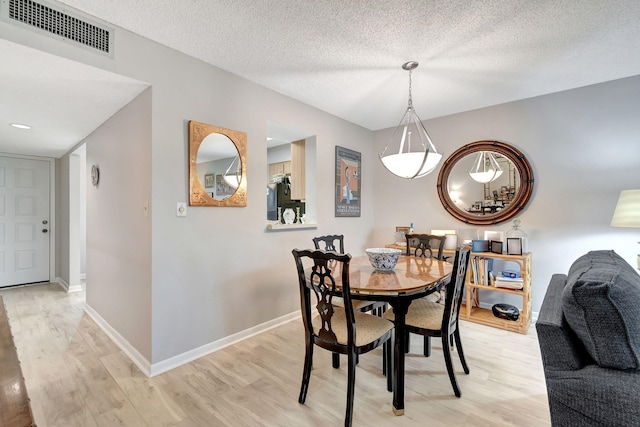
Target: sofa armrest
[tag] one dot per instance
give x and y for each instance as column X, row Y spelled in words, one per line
column 559, row 346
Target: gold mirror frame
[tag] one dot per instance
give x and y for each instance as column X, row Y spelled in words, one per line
column 198, row 196
column 518, row 203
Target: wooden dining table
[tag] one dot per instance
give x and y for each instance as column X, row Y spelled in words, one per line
column 413, row 277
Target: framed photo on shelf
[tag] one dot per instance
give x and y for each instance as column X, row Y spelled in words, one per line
column 494, row 235
column 405, row 230
column 514, row 246
column 208, row 180
column 495, row 247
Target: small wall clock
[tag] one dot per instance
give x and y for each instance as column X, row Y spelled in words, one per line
column 95, row 175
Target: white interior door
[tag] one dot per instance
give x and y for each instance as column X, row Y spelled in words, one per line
column 24, row 221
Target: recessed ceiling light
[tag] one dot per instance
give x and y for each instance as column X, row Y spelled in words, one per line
column 20, row 126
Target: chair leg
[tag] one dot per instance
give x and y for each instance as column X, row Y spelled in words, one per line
column 427, row 346
column 351, row 387
column 388, row 349
column 456, row 334
column 335, row 360
column 406, row 340
column 447, row 360
column 384, row 358
column 306, row 373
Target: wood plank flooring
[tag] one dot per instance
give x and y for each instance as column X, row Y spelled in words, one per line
column 76, row 376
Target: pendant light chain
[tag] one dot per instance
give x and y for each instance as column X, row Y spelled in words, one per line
column 410, row 98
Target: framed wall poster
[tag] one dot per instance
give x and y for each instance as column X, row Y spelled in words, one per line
column 208, row 180
column 348, row 185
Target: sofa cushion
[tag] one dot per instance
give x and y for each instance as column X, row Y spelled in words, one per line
column 601, row 303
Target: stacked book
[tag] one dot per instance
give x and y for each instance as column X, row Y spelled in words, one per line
column 508, row 279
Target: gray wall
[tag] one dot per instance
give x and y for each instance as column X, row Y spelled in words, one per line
column 584, row 148
column 119, row 287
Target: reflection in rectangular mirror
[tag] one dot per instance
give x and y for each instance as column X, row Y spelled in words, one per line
column 291, row 172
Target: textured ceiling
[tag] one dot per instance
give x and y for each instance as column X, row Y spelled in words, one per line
column 344, row 57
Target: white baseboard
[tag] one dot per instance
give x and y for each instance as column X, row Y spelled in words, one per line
column 196, row 353
column 64, row 285
column 139, row 360
column 151, row 370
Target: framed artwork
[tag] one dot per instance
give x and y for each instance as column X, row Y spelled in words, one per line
column 348, row 184
column 208, row 180
column 223, row 189
column 514, row 246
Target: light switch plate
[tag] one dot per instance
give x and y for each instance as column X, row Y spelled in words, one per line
column 181, row 209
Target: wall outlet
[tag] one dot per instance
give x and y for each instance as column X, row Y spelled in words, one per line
column 181, row 209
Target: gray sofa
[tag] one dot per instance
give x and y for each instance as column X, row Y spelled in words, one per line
column 589, row 334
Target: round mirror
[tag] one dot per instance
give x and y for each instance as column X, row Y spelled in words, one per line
column 217, row 176
column 485, row 182
column 218, row 165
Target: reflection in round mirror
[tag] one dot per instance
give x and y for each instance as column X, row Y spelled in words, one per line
column 219, row 166
column 484, row 203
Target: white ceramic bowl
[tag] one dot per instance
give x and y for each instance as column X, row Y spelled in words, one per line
column 383, row 259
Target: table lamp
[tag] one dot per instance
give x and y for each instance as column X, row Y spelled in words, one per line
column 627, row 213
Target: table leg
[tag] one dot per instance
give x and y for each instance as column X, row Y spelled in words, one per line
column 399, row 312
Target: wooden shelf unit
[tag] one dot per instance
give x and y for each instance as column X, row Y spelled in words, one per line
column 471, row 309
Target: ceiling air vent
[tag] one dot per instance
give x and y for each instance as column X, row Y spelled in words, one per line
column 59, row 23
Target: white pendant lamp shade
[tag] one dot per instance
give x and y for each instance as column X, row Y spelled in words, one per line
column 485, row 168
column 233, row 178
column 410, row 152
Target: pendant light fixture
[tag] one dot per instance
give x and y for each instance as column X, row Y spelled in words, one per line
column 485, row 168
column 410, row 152
column 233, row 178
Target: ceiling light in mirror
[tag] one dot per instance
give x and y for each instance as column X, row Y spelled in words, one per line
column 485, row 168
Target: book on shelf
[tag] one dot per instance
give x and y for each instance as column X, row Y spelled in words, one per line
column 481, row 269
column 506, row 282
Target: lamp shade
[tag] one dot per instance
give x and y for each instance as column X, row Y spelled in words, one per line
column 485, row 168
column 232, row 179
column 627, row 213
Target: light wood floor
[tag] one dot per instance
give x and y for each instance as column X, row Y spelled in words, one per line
column 76, row 376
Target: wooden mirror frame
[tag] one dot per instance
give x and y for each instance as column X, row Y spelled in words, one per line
column 197, row 194
column 521, row 198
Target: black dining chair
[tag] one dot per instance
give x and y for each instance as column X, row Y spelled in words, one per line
column 432, row 319
column 329, row 243
column 423, row 243
column 339, row 329
column 335, row 243
column 428, row 246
